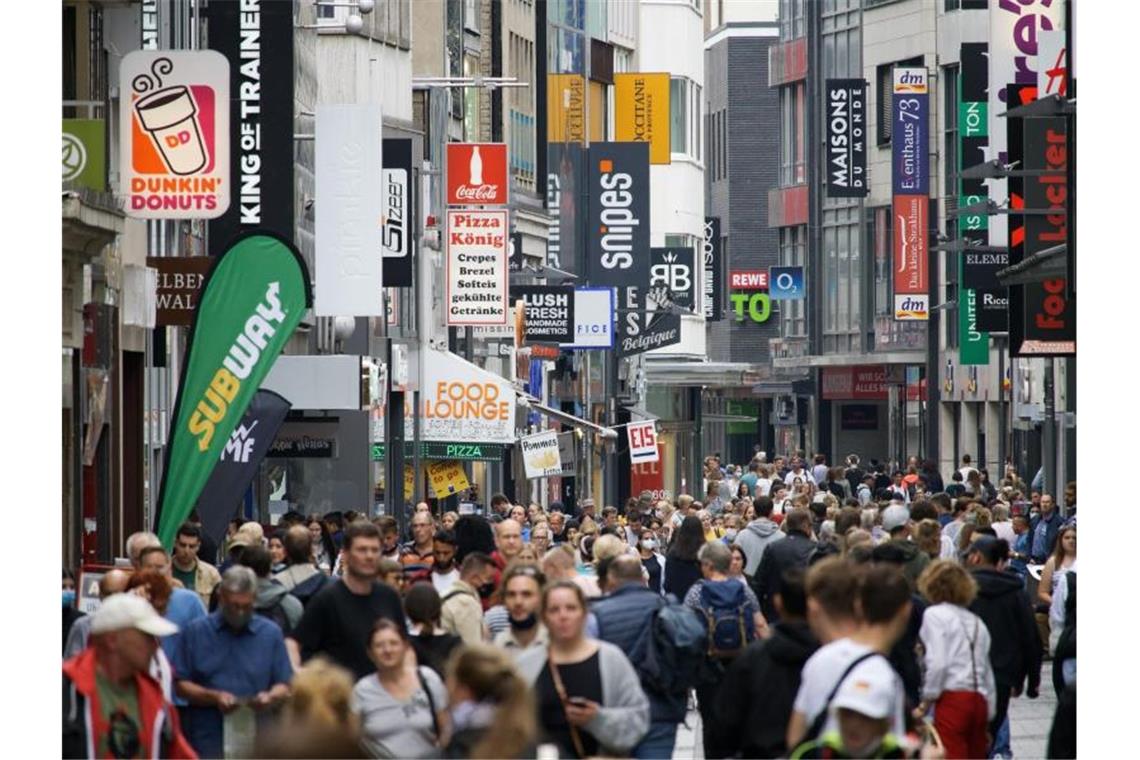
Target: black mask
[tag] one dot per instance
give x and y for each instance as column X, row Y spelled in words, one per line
column 444, row 566
column 528, row 622
column 486, row 590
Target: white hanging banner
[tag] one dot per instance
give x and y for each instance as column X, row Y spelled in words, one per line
column 642, row 442
column 541, row 454
column 476, row 268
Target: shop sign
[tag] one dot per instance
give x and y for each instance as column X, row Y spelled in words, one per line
column 461, row 402
column 466, row 452
column 910, row 116
column 541, row 455
column 974, row 343
column 87, row 587
column 912, row 299
column 642, row 441
column 846, row 138
column 758, row 305
column 549, row 311
column 84, row 158
column 175, row 152
column 476, row 268
column 303, row 447
column 447, row 478
column 477, row 174
column 671, row 276
column 618, row 228
column 650, row 476
column 748, row 279
column 565, row 180
column 396, row 223
column 712, row 263
column 180, row 281
column 641, row 103
column 787, row 283
column 593, row 318
column 858, row 417
column 565, row 108
column 855, row 383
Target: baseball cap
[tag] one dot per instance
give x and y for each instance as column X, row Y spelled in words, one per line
column 249, row 534
column 120, row 612
column 895, row 516
column 866, row 695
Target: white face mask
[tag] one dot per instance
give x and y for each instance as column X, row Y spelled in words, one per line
column 649, row 544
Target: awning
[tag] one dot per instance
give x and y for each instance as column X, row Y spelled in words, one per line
column 853, row 360
column 707, row 374
column 1047, row 264
column 557, row 414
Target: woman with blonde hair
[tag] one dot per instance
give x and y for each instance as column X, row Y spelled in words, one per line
column 493, row 712
column 958, row 679
column 321, row 698
column 928, row 536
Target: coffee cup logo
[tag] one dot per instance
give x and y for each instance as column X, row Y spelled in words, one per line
column 169, row 115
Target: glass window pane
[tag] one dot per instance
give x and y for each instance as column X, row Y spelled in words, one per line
column 678, row 104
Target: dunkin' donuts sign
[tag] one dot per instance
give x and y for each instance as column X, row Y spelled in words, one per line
column 477, row 174
column 175, row 146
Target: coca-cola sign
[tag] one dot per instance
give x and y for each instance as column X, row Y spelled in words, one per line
column 477, row 174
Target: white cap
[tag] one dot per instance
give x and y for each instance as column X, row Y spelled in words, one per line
column 895, row 516
column 866, row 695
column 120, row 612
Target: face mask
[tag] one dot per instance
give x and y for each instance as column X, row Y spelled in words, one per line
column 278, row 567
column 528, row 622
column 68, row 597
column 730, row 533
column 236, row 620
column 486, row 590
column 649, row 544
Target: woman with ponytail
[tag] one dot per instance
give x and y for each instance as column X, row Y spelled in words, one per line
column 493, row 713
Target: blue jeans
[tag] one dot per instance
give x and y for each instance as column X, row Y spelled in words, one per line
column 1001, row 741
column 658, row 743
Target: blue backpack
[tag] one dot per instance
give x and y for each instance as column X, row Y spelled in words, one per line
column 729, row 621
column 669, row 653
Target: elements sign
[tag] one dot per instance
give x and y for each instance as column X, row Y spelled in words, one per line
column 712, row 264
column 476, row 268
column 642, row 442
column 549, row 312
column 175, row 153
column 846, row 138
column 477, row 174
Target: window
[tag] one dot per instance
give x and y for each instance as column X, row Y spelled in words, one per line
column 792, row 19
column 471, row 16
column 842, row 279
column 884, row 92
column 965, row 5
column 881, row 244
column 685, row 118
column 793, row 170
column 326, row 11
column 793, row 252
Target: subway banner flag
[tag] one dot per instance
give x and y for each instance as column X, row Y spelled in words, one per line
column 250, row 304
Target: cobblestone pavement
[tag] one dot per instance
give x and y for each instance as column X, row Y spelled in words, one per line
column 1030, row 721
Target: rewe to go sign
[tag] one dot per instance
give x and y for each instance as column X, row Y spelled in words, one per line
column 757, row 305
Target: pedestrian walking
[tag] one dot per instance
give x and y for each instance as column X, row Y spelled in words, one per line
column 1062, row 560
column 273, row 602
column 193, row 573
column 301, row 577
column 682, row 568
column 492, row 708
column 793, row 551
column 462, row 611
column 433, row 645
column 70, row 612
column 522, row 593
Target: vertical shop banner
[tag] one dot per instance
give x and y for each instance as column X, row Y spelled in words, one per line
column 642, row 442
column 239, row 461
column 477, row 174
column 349, row 274
column 565, row 108
column 564, row 182
column 973, row 343
column 251, row 302
column 256, row 37
column 84, row 157
column 476, row 268
column 910, row 186
column 396, row 223
column 712, row 269
column 174, row 158
column 672, row 276
column 549, row 312
column 641, row 105
column 847, row 138
column 618, row 229
column 593, row 319
column 540, row 454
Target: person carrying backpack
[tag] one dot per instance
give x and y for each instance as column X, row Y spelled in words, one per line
column 629, row 617
column 732, row 617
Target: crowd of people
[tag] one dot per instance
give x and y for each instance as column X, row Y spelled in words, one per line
column 804, row 610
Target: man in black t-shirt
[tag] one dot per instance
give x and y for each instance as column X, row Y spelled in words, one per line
column 338, row 621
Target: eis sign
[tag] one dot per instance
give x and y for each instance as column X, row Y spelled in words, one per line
column 477, row 174
column 175, row 140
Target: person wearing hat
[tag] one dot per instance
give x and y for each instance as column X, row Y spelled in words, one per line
column 249, row 534
column 862, row 707
column 896, row 522
column 112, row 707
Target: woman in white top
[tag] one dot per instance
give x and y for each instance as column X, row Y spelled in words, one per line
column 402, row 706
column 1053, row 574
column 958, row 679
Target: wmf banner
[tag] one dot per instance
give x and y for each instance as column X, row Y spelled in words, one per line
column 256, row 36
column 712, row 265
column 974, row 345
column 847, row 138
column 910, row 187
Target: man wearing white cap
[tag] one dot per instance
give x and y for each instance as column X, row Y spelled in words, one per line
column 112, row 707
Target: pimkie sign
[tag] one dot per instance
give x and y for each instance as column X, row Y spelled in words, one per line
column 477, row 174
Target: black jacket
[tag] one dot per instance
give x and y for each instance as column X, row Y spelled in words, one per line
column 793, row 551
column 680, row 574
column 1003, row 605
column 756, row 697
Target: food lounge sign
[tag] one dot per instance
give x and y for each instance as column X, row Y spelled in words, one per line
column 461, row 402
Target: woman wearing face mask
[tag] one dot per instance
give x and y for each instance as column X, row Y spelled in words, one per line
column 590, row 700
column 492, row 710
column 402, row 707
column 70, row 613
column 652, row 560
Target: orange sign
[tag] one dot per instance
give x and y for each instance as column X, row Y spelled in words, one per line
column 566, row 108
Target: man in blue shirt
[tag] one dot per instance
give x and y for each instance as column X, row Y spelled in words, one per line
column 229, row 659
column 1044, row 528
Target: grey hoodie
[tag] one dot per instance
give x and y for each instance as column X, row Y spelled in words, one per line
column 754, row 539
column 270, row 593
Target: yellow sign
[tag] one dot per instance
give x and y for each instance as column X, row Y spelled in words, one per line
column 409, row 482
column 641, row 104
column 447, row 478
column 566, row 108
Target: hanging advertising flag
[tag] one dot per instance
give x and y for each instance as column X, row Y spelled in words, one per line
column 672, row 278
column 541, row 455
column 239, row 461
column 565, row 108
column 175, row 143
column 910, row 185
column 846, row 138
column 643, row 327
column 973, row 343
column 477, row 174
column 349, row 272
column 1053, row 64
column 564, row 183
column 787, row 283
column 549, row 312
column 251, row 302
column 256, row 37
column 618, row 228
column 641, row 112
column 84, row 159
column 642, row 442
column 593, row 319
column 396, row 222
column 476, row 268
column 712, row 265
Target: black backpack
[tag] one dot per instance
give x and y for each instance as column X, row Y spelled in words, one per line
column 669, row 652
column 276, row 613
column 310, row 587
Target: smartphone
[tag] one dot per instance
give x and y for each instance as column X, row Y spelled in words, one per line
column 579, row 701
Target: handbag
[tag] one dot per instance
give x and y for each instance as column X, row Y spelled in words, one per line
column 560, row 689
